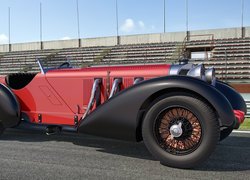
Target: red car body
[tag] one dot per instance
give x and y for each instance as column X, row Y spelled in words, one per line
column 175, row 109
column 60, row 95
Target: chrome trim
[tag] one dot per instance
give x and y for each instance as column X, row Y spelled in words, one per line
column 115, row 86
column 213, row 83
column 210, row 74
column 96, row 84
column 40, row 66
column 176, row 130
column 137, row 80
column 176, row 69
column 198, row 72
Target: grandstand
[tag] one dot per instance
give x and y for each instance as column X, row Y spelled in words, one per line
column 225, row 49
column 228, row 50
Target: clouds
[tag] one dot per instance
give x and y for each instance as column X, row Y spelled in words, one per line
column 130, row 25
column 3, row 39
column 141, row 24
column 65, row 38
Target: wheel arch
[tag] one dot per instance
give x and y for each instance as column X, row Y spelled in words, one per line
column 164, row 94
column 120, row 116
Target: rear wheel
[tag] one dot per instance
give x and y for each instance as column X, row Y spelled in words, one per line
column 180, row 130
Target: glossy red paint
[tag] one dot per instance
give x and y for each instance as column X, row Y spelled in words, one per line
column 59, row 95
column 240, row 116
column 2, row 79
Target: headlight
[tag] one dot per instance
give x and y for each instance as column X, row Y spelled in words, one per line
column 210, row 75
column 198, row 72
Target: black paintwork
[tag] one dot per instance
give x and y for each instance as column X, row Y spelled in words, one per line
column 9, row 107
column 235, row 99
column 24, row 124
column 120, row 117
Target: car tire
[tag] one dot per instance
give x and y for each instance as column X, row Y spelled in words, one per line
column 200, row 130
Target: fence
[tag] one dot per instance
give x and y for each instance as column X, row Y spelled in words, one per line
column 248, row 109
column 247, row 100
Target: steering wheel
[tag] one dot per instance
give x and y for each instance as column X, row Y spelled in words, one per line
column 64, row 65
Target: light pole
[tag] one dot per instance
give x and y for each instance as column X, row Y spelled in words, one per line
column 242, row 18
column 41, row 27
column 186, row 15
column 117, row 21
column 164, row 15
column 9, row 29
column 78, row 23
column 187, row 19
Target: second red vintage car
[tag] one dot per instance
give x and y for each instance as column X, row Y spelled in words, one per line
column 180, row 111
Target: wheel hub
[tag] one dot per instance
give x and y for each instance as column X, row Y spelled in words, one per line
column 176, row 130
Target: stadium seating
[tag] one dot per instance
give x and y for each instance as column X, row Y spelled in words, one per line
column 230, row 57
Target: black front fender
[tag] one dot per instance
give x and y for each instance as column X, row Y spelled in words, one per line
column 9, row 107
column 119, row 117
column 236, row 100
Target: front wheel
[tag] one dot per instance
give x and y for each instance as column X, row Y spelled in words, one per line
column 180, row 130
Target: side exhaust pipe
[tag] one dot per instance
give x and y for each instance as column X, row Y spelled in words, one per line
column 52, row 130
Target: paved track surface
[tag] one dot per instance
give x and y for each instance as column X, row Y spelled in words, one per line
column 33, row 155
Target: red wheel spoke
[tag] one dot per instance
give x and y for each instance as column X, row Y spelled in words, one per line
column 191, row 127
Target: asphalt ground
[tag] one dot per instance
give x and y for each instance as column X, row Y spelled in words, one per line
column 34, row 155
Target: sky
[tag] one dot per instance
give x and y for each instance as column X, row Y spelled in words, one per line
column 97, row 18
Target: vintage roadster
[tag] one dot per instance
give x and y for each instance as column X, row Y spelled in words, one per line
column 180, row 111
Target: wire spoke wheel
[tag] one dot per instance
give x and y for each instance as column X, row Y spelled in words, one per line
column 190, row 132
column 180, row 130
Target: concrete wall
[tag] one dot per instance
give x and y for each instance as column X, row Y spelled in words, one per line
column 26, row 46
column 61, row 44
column 173, row 37
column 140, row 39
column 153, row 38
column 102, row 41
column 4, row 48
column 247, row 31
column 130, row 39
column 220, row 33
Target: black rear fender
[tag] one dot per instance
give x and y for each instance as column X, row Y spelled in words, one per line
column 120, row 117
column 9, row 107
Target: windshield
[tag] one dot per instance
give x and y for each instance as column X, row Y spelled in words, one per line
column 47, row 64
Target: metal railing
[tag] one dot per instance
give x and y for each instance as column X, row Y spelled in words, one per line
column 248, row 108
